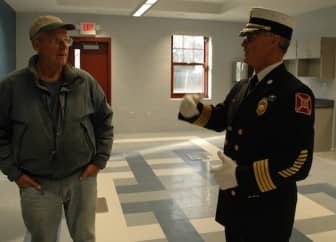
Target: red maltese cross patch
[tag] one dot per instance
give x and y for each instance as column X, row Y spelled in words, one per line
column 303, row 103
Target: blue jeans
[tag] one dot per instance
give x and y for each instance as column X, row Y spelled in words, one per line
column 42, row 210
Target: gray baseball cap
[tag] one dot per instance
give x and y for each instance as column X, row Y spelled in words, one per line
column 48, row 23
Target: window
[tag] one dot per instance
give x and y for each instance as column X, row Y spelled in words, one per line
column 189, row 66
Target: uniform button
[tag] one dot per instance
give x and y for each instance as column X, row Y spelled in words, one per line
column 240, row 131
column 53, row 153
column 236, row 147
column 229, row 128
column 233, row 193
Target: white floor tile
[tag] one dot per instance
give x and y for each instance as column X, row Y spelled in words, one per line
column 329, row 236
column 206, row 225
column 307, row 208
column 145, row 232
column 114, row 164
column 120, row 175
column 111, row 224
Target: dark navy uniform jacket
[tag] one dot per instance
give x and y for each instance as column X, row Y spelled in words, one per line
column 270, row 134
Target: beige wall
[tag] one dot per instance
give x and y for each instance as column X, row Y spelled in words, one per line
column 141, row 62
column 141, row 65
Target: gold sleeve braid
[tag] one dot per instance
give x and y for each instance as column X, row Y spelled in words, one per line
column 262, row 175
column 204, row 116
column 299, row 162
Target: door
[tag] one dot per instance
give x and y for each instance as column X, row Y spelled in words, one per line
column 94, row 56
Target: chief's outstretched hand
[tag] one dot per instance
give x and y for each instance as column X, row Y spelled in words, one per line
column 188, row 106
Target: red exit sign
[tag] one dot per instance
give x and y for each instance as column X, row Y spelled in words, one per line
column 88, row 28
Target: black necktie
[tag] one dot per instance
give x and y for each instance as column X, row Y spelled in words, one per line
column 252, row 84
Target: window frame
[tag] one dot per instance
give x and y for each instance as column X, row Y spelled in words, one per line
column 205, row 66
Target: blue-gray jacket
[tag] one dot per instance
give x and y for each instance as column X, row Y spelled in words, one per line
column 28, row 142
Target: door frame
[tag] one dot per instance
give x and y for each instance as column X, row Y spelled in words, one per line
column 80, row 39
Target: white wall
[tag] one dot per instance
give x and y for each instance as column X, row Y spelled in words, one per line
column 141, row 62
column 141, row 65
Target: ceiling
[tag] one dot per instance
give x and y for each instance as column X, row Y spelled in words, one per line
column 222, row 10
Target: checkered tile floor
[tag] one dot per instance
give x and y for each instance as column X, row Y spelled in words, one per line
column 158, row 189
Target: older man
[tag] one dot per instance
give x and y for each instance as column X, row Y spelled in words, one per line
column 269, row 123
column 55, row 136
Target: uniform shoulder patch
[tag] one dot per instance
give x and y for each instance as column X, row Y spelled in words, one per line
column 303, row 103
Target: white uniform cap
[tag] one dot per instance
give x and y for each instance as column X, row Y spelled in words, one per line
column 269, row 20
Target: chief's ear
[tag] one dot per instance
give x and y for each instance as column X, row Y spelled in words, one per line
column 36, row 44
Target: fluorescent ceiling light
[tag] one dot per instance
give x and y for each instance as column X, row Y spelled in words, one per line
column 144, row 7
column 142, row 10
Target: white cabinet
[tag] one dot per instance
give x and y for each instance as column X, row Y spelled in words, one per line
column 315, row 57
column 309, row 48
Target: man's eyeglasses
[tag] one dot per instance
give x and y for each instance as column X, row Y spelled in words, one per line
column 58, row 42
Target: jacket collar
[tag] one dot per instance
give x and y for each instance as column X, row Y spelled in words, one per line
column 263, row 73
column 270, row 81
column 275, row 73
column 70, row 77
